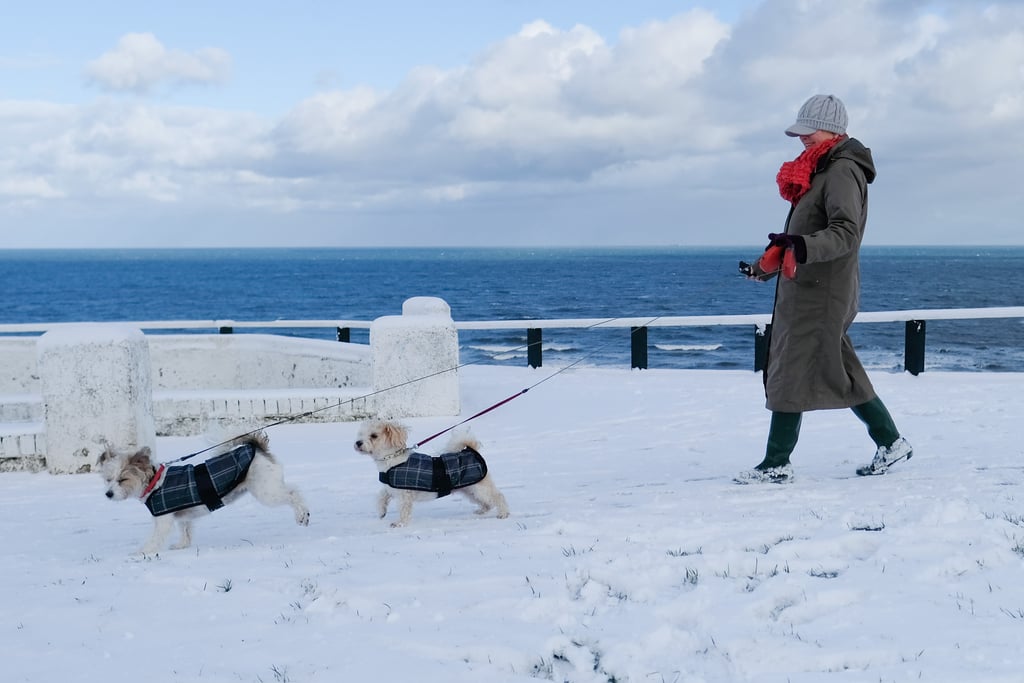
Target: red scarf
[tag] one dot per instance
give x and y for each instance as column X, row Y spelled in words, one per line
column 794, row 177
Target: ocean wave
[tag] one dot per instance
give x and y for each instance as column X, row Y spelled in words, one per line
column 688, row 347
column 519, row 350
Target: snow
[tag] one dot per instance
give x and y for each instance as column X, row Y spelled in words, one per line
column 629, row 556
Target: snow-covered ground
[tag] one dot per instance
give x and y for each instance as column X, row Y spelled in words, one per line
column 629, row 555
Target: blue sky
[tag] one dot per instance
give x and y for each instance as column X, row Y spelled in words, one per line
column 491, row 123
column 282, row 52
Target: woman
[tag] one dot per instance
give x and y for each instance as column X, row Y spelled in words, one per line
column 811, row 362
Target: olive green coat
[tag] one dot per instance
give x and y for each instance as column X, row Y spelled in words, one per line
column 811, row 363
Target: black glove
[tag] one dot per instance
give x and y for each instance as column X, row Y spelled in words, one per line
column 794, row 242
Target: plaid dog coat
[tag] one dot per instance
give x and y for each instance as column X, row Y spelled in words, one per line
column 440, row 474
column 187, row 486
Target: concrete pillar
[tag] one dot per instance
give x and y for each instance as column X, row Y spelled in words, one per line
column 96, row 386
column 415, row 357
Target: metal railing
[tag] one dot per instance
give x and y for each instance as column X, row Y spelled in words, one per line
column 914, row 345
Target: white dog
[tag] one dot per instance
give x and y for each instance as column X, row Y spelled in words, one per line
column 414, row 476
column 181, row 493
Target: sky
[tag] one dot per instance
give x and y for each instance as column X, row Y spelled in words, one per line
column 629, row 554
column 501, row 123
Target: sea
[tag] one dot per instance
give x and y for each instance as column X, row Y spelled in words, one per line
column 54, row 285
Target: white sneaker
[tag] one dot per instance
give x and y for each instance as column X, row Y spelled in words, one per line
column 887, row 457
column 769, row 475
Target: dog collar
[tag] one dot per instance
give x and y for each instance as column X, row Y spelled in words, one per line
column 389, row 460
column 152, row 482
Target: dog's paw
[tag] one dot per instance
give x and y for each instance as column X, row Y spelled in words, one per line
column 302, row 517
column 397, row 525
column 503, row 515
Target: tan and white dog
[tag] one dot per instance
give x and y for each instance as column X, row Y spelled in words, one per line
column 181, row 493
column 412, row 476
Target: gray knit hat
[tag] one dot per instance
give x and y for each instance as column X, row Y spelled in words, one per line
column 821, row 112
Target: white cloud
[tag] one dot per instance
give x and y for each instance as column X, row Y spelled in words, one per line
column 140, row 63
column 682, row 116
column 158, row 187
column 548, row 103
column 27, row 188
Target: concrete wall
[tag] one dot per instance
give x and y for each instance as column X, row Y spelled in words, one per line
column 59, row 418
column 197, row 362
column 79, row 386
column 22, row 442
column 255, row 361
column 18, row 370
column 415, row 360
column 95, row 382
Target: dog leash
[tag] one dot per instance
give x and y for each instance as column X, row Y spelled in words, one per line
column 472, row 417
column 308, row 413
column 518, row 394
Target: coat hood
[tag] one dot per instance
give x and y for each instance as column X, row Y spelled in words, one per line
column 855, row 151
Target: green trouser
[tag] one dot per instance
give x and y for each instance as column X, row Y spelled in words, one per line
column 881, row 428
column 785, row 430
column 782, row 436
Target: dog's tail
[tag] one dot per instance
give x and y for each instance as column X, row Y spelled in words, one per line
column 259, row 440
column 461, row 441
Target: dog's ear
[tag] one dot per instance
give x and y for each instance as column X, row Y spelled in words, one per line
column 141, row 458
column 394, row 434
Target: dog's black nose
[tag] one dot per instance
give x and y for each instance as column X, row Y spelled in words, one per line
column 110, row 494
column 359, row 444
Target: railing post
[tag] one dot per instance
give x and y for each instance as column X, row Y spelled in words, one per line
column 533, row 347
column 96, row 387
column 414, row 360
column 344, row 334
column 762, row 336
column 913, row 347
column 638, row 347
